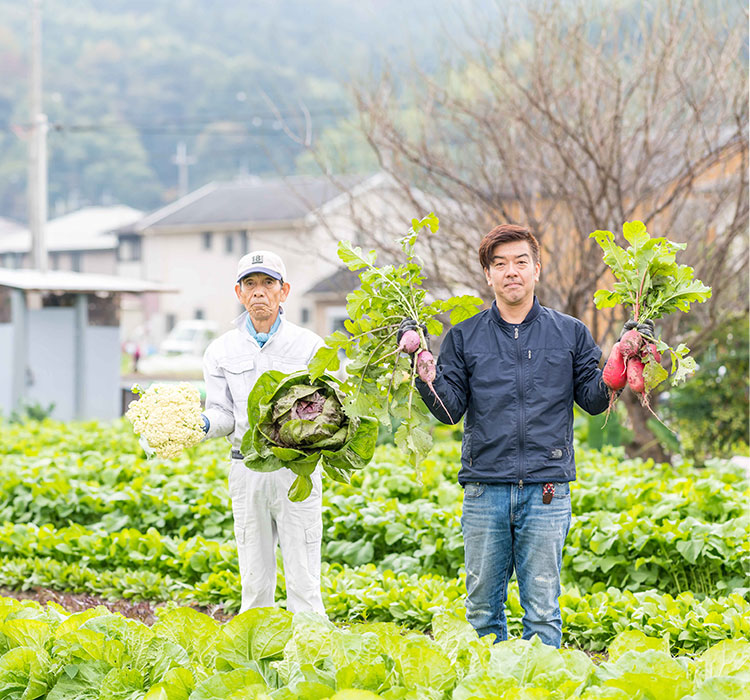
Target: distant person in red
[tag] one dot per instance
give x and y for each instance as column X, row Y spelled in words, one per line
column 136, row 357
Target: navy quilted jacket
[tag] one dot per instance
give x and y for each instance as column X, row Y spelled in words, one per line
column 516, row 385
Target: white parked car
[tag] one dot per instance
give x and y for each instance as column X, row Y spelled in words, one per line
column 189, row 338
column 181, row 352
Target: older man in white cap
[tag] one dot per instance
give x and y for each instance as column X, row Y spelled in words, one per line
column 263, row 514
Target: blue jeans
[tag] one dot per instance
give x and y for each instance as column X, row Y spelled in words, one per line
column 507, row 527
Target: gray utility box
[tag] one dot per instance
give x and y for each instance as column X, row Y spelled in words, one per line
column 60, row 341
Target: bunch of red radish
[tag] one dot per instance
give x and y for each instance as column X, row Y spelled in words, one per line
column 411, row 343
column 626, row 362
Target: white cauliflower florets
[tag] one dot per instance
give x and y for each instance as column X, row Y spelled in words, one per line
column 168, row 416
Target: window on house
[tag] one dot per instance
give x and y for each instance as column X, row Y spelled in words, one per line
column 207, row 240
column 229, row 243
column 75, row 261
column 54, row 261
column 305, row 316
column 335, row 317
column 103, row 309
column 244, row 243
column 337, row 324
column 199, row 314
column 52, row 300
column 171, row 321
column 129, row 249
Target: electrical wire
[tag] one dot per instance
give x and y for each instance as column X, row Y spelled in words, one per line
column 190, row 124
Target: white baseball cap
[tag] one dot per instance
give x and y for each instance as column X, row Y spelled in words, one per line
column 261, row 261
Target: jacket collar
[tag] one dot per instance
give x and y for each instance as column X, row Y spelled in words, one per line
column 536, row 309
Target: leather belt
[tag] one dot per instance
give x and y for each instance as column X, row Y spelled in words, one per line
column 236, row 454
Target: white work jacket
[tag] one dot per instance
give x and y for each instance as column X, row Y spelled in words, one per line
column 232, row 364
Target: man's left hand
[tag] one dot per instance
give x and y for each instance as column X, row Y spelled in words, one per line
column 644, row 328
column 409, row 324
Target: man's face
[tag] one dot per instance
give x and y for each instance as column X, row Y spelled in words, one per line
column 261, row 295
column 512, row 273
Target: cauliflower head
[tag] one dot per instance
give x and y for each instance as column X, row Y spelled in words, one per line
column 168, row 416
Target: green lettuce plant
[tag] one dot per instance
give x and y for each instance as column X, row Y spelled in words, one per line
column 297, row 422
column 270, row 654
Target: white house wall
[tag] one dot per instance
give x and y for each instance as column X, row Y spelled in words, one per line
column 203, row 277
column 99, row 262
column 206, row 278
column 102, row 262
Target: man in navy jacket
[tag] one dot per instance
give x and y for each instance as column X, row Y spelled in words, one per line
column 514, row 371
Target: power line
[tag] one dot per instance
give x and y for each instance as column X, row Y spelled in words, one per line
column 189, row 124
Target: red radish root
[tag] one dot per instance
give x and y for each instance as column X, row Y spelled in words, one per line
column 630, row 344
column 635, row 376
column 650, row 349
column 625, row 364
column 614, row 374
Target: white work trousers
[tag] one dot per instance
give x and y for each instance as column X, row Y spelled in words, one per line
column 264, row 517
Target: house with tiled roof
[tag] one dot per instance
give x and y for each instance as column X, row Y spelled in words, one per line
column 79, row 241
column 194, row 243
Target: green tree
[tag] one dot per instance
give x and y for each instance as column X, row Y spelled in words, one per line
column 590, row 118
column 711, row 410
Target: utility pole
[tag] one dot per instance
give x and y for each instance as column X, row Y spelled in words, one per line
column 37, row 174
column 183, row 162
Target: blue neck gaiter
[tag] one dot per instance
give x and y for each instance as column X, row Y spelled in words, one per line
column 262, row 338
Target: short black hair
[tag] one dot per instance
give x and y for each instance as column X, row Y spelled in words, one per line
column 505, row 233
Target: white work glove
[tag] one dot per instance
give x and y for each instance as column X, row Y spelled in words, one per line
column 150, row 451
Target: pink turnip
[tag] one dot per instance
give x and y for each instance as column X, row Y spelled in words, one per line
column 410, row 342
column 427, row 372
column 426, row 367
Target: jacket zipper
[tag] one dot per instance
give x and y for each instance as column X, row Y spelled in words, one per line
column 522, row 416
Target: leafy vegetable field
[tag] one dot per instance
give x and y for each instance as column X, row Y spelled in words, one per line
column 657, row 563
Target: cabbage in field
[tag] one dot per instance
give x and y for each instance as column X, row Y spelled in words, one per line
column 296, row 422
column 167, row 417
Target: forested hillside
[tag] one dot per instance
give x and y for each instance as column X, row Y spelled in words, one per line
column 126, row 80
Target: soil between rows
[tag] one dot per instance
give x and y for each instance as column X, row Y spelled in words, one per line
column 142, row 610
